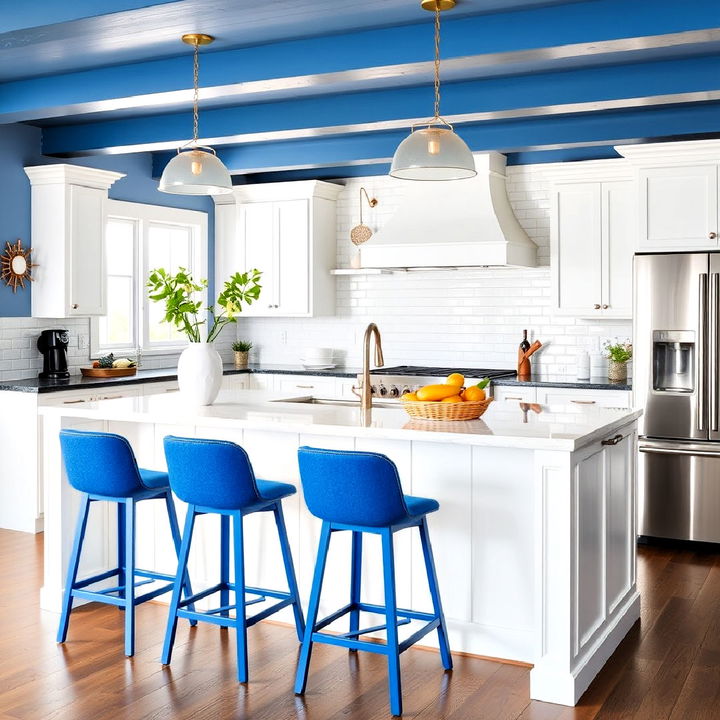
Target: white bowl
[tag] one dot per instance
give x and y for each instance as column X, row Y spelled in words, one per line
column 317, row 353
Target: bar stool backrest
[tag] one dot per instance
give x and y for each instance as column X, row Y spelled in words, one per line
column 210, row 473
column 351, row 487
column 100, row 463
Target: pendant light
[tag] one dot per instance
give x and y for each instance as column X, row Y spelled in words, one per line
column 195, row 170
column 435, row 152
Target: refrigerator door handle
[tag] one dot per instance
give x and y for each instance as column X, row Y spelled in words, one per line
column 671, row 448
column 713, row 350
column 700, row 365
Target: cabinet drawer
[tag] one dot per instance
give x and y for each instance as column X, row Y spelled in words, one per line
column 306, row 385
column 512, row 393
column 590, row 398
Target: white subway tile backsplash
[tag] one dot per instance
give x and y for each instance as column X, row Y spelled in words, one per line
column 470, row 317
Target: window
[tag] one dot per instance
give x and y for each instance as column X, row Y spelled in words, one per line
column 139, row 238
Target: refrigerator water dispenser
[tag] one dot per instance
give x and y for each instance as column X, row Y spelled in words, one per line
column 673, row 361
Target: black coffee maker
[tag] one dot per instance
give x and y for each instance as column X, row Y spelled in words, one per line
column 53, row 346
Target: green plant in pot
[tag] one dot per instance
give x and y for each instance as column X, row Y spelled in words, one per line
column 242, row 349
column 619, row 355
column 200, row 367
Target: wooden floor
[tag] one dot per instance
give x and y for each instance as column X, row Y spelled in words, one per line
column 667, row 667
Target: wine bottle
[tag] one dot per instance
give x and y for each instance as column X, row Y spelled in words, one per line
column 524, row 345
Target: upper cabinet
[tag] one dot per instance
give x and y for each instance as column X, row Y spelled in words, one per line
column 68, row 239
column 678, row 194
column 593, row 230
column 288, row 231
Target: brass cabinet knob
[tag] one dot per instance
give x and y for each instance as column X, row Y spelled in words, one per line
column 605, row 307
column 75, row 306
column 596, row 306
column 712, row 235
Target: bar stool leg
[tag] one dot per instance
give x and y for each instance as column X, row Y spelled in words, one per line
column 130, row 577
column 225, row 563
column 355, row 580
column 177, row 588
column 289, row 570
column 177, row 541
column 393, row 652
column 73, row 565
column 306, row 648
column 435, row 594
column 121, row 547
column 240, row 618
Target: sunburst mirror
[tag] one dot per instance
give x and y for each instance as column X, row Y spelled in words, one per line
column 16, row 265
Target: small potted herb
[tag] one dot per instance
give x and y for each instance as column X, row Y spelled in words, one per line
column 241, row 348
column 618, row 355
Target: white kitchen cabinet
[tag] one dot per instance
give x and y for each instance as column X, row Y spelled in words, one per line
column 597, row 398
column 288, row 231
column 679, row 208
column 678, row 194
column 236, row 382
column 68, row 239
column 513, row 393
column 593, row 228
column 298, row 385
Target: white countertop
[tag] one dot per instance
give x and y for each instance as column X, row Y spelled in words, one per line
column 565, row 427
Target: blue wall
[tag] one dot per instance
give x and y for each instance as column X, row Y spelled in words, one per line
column 20, row 146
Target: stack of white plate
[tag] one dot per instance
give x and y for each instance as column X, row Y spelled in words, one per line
column 317, row 358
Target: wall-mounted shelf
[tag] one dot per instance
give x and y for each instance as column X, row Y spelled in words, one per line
column 367, row 271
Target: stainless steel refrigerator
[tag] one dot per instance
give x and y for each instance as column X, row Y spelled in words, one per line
column 676, row 381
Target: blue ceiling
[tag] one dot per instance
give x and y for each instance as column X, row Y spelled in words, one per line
column 294, row 89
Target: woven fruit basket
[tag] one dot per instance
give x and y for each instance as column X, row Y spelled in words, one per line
column 470, row 410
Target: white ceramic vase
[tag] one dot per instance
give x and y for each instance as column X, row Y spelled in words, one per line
column 200, row 372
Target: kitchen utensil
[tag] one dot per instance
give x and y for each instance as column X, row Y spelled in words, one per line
column 362, row 233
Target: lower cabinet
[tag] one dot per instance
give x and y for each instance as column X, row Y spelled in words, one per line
column 563, row 396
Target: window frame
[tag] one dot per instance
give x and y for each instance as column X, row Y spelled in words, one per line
column 143, row 215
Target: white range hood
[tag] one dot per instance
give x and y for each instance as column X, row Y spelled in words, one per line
column 458, row 223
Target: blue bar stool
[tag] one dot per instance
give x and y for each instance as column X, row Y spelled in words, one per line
column 361, row 492
column 102, row 466
column 215, row 476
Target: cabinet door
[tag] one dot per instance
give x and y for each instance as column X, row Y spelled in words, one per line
column 299, row 385
column 619, row 222
column 257, row 234
column 576, row 249
column 292, row 296
column 679, row 208
column 86, row 266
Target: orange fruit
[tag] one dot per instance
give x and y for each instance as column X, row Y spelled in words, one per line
column 452, row 399
column 473, row 394
column 455, row 379
column 409, row 397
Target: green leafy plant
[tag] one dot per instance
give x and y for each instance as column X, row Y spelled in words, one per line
column 618, row 352
column 183, row 309
column 242, row 346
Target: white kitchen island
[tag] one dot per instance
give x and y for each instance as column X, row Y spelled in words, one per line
column 534, row 539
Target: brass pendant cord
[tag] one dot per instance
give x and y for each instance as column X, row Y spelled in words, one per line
column 196, row 92
column 437, row 61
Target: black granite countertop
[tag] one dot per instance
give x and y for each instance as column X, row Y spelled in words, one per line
column 599, row 382
column 78, row 382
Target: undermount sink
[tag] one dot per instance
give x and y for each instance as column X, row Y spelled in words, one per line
column 308, row 400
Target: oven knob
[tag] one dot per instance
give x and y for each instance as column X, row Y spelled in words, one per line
column 394, row 392
column 383, row 390
column 405, row 389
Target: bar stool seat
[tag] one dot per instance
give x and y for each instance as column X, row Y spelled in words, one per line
column 228, row 489
column 361, row 492
column 102, row 467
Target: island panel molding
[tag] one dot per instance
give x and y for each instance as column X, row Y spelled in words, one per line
column 534, row 537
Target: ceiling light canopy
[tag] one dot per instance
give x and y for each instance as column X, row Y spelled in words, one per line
column 195, row 170
column 435, row 152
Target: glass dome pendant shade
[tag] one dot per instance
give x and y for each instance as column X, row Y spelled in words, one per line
column 435, row 152
column 195, row 170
